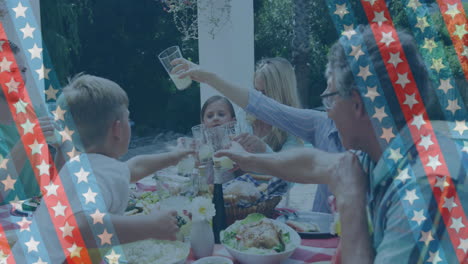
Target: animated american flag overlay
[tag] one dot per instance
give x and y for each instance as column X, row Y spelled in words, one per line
column 438, row 175
column 444, row 190
column 58, row 203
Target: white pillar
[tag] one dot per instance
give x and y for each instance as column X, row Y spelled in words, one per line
column 231, row 52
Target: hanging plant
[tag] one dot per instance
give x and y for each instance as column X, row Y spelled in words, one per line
column 184, row 12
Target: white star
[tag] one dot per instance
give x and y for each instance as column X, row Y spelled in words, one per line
column 43, row 168
column 32, row 245
column 5, row 65
column 441, row 183
column 3, row 162
column 465, row 51
column 98, row 217
column 12, row 86
column 445, row 85
column 418, row 216
column 105, row 238
column 372, row 93
column 395, row 59
column 36, row 147
column 426, row 237
column 426, row 142
column 73, row 154
column 463, row 245
column 67, row 230
column 35, row 52
column 113, row 258
column 364, row 72
column 66, row 134
column 452, row 10
column 59, row 114
column 434, row 257
column 449, row 203
column 403, row 176
column 457, row 224
column 356, row 52
column 341, row 10
column 21, row 106
column 453, row 106
column 349, row 31
column 411, row 196
column 51, row 93
column 9, row 183
column 460, row 127
column 82, row 175
column 17, row 204
column 422, row 23
column 429, row 44
column 418, row 121
column 43, row 72
column 59, row 209
column 410, row 100
column 433, row 162
column 387, row 38
column 28, row 127
column 24, row 224
column 403, row 80
column 40, row 261
column 51, row 189
column 20, row 11
column 380, row 113
column 395, row 155
column 465, row 149
column 371, row 1
column 437, row 65
column 75, row 251
column 379, row 18
column 414, row 4
column 387, row 134
column 28, row 31
column 90, row 196
column 460, row 31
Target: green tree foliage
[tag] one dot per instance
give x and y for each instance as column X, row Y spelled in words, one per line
column 120, row 40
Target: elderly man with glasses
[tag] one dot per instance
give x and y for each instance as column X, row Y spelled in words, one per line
column 400, row 189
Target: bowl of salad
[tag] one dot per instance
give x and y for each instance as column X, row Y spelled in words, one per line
column 260, row 240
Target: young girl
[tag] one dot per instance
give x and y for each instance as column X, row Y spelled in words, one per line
column 217, row 110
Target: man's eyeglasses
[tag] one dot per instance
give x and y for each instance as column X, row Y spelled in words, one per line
column 327, row 100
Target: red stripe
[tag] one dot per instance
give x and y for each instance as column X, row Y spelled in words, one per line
column 36, row 159
column 5, row 246
column 451, row 23
column 426, row 129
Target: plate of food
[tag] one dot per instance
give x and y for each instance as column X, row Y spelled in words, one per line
column 156, row 252
column 309, row 224
column 260, row 240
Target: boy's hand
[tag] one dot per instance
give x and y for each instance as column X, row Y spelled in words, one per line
column 50, row 130
column 165, row 224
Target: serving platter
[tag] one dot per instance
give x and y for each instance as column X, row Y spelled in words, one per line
column 322, row 220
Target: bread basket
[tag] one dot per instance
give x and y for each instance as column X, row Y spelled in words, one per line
column 234, row 212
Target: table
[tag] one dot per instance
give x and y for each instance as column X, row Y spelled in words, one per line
column 310, row 251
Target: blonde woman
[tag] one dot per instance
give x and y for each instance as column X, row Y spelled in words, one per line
column 276, row 79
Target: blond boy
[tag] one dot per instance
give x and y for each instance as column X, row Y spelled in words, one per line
column 99, row 108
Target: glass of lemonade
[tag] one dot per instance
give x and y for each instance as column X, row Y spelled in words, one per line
column 166, row 57
column 185, row 166
column 220, row 138
column 202, row 147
